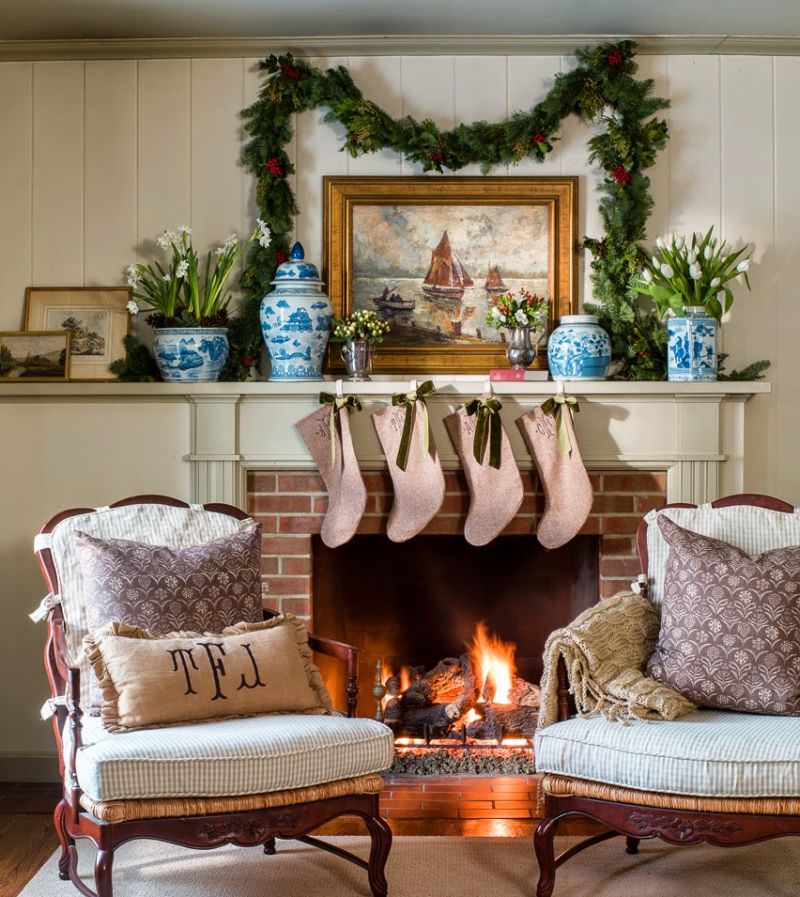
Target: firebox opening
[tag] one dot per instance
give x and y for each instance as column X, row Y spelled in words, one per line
column 419, row 602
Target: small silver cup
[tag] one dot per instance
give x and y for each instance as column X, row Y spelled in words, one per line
column 357, row 358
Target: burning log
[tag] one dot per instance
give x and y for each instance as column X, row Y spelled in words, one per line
column 502, row 720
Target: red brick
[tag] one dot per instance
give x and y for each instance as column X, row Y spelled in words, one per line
column 300, row 607
column 288, row 585
column 591, row 527
column 269, row 565
column 295, row 566
column 380, row 503
column 494, row 814
column 609, row 587
column 378, row 482
column 424, row 814
column 645, row 503
column 372, row 524
column 623, row 546
column 530, row 481
column 454, row 481
column 611, row 567
column 461, row 804
column 275, row 504
column 612, row 503
column 286, row 545
column 444, row 526
column 455, row 504
column 268, row 524
column 520, row 526
column 532, row 504
column 387, row 803
column 319, row 504
column 635, row 482
column 261, row 482
column 596, row 479
column 300, row 482
column 299, row 524
column 514, row 804
column 621, row 525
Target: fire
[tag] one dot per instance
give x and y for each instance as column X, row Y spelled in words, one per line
column 494, row 659
column 388, row 673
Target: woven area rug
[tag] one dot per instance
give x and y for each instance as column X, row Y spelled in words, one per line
column 443, row 867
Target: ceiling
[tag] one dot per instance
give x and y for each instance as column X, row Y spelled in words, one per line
column 99, row 19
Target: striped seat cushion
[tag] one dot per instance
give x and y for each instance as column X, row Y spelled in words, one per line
column 229, row 757
column 711, row 753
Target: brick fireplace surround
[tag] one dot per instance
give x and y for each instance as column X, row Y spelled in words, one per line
column 290, row 506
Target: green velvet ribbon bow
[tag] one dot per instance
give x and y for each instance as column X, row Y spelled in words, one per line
column 410, row 399
column 555, row 407
column 487, row 429
column 351, row 403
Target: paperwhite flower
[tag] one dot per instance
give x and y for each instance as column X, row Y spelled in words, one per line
column 230, row 241
column 743, row 266
column 132, row 276
column 166, row 239
column 715, row 282
column 521, row 317
column 220, row 250
column 666, row 270
column 182, row 270
column 166, row 278
column 133, row 308
column 659, row 242
column 264, row 233
column 694, row 272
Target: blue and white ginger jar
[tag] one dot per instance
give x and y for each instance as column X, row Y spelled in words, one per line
column 692, row 346
column 190, row 354
column 296, row 320
column 579, row 349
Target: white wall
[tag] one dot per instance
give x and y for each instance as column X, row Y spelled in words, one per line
column 98, row 156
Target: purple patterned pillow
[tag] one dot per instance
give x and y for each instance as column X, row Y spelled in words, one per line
column 199, row 589
column 730, row 624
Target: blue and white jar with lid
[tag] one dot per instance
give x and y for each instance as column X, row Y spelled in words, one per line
column 579, row 349
column 692, row 346
column 296, row 320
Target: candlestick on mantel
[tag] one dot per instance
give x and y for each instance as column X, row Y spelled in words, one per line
column 379, row 690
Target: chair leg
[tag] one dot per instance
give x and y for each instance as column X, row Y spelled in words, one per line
column 545, row 854
column 269, row 846
column 103, row 863
column 381, row 836
column 65, row 840
column 631, row 844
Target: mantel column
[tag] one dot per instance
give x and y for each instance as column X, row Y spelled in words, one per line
column 217, row 472
column 697, row 449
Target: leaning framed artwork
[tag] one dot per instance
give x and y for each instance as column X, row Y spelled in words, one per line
column 96, row 317
column 429, row 254
column 34, row 356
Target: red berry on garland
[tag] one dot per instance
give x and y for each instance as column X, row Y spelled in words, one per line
column 247, row 362
column 614, row 58
column 538, row 137
column 437, row 156
column 289, row 71
column 274, row 167
column 621, row 176
column 280, row 257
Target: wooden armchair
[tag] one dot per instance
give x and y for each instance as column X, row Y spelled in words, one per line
column 199, row 820
column 671, row 780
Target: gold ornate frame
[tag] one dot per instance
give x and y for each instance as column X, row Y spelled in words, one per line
column 559, row 194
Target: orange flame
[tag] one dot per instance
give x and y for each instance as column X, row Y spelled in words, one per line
column 494, row 659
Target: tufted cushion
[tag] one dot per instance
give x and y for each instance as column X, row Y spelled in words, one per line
column 754, row 530
column 712, row 753
column 230, row 757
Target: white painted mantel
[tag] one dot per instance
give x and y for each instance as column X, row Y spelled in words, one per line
column 694, row 431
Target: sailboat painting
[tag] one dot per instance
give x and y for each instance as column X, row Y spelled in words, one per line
column 432, row 270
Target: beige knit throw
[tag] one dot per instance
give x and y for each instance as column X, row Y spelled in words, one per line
column 605, row 650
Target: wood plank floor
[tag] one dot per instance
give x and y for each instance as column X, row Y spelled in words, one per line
column 27, row 837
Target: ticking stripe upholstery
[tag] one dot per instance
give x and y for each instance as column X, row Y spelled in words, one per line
column 754, row 530
column 229, row 757
column 712, row 753
column 152, row 524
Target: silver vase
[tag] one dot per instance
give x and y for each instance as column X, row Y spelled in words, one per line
column 520, row 350
column 357, row 358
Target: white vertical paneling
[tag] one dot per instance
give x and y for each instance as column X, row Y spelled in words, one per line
column 428, row 92
column 655, row 67
column 786, row 373
column 216, row 177
column 529, row 80
column 378, row 77
column 165, row 159
column 58, row 188
column 694, row 150
column 318, row 153
column 748, row 209
column 251, row 86
column 15, row 189
column 481, row 94
column 110, row 169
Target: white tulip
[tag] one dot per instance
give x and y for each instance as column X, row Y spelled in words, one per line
column 708, row 252
column 694, row 272
column 715, row 282
column 743, row 266
column 666, row 270
column 680, row 242
column 692, row 257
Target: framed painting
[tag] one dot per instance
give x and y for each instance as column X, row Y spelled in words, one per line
column 34, row 356
column 429, row 254
column 96, row 317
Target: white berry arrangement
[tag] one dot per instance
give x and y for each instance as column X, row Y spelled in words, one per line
column 361, row 325
column 694, row 271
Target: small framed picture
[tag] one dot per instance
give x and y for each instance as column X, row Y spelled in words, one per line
column 96, row 317
column 32, row 356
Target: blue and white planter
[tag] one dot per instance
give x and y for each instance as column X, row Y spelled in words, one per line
column 191, row 354
column 296, row 320
column 692, row 346
column 579, row 349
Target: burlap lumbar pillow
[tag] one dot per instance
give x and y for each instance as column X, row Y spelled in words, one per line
column 148, row 679
column 730, row 624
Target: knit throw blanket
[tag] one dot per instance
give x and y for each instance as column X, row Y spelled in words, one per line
column 605, row 650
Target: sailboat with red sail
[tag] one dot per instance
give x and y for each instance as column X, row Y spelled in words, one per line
column 494, row 281
column 447, row 278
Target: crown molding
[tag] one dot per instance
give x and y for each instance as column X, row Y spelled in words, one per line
column 385, row 45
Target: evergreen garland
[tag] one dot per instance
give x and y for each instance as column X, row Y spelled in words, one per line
column 601, row 88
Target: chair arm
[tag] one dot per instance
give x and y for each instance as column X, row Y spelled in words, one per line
column 74, row 715
column 347, row 653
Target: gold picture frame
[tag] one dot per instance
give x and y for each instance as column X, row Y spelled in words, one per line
column 97, row 318
column 363, row 215
column 26, row 356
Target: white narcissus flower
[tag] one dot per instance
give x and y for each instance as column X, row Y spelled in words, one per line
column 743, row 266
column 133, row 308
column 659, row 242
column 264, row 233
column 666, row 270
column 182, row 270
column 230, row 241
column 220, row 250
column 166, row 278
column 132, row 275
column 185, row 229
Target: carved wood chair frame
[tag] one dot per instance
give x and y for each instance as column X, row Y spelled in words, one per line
column 639, row 822
column 245, row 829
